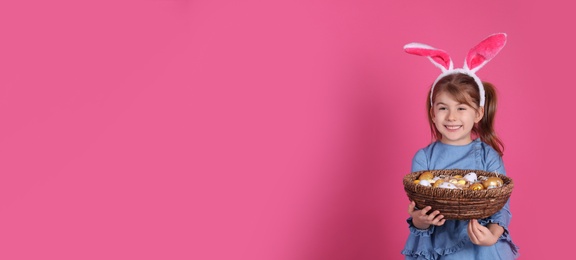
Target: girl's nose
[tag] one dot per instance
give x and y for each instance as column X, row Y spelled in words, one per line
column 451, row 115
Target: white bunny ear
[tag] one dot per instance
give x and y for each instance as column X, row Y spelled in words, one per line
column 438, row 57
column 483, row 52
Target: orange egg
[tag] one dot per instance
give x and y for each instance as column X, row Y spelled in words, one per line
column 438, row 182
column 426, row 176
column 416, row 181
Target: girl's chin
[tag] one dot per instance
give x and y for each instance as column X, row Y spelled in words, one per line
column 464, row 141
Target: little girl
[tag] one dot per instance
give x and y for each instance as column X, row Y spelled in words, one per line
column 461, row 112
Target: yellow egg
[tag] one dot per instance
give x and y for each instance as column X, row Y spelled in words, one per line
column 476, row 186
column 493, row 181
column 457, row 176
column 426, row 176
column 462, row 182
column 438, row 182
column 453, row 181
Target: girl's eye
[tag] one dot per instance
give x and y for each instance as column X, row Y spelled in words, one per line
column 461, row 108
column 441, row 108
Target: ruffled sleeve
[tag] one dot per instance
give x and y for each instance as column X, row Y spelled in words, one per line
column 494, row 163
column 419, row 164
column 419, row 232
column 419, row 246
column 502, row 218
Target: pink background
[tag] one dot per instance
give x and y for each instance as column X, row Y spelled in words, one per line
column 173, row 129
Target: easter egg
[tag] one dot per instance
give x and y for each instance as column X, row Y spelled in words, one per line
column 426, row 176
column 447, row 185
column 438, row 182
column 476, row 186
column 471, row 177
column 425, row 183
column 493, row 181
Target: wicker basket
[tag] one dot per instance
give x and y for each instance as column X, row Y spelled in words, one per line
column 455, row 203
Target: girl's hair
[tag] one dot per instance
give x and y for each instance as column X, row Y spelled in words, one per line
column 463, row 89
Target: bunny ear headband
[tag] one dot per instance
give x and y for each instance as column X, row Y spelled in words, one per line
column 477, row 57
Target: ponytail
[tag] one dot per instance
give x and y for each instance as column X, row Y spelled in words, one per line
column 485, row 128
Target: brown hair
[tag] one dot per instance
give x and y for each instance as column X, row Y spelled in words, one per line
column 463, row 89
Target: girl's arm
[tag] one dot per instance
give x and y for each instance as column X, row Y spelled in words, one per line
column 421, row 218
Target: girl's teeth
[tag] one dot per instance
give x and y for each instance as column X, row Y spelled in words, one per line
column 452, row 127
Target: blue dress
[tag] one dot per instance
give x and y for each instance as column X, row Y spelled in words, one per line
column 451, row 241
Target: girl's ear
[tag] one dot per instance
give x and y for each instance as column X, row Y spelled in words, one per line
column 432, row 114
column 479, row 114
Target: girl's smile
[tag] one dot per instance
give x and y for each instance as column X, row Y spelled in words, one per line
column 453, row 128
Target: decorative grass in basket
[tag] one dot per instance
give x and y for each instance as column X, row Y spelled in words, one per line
column 459, row 204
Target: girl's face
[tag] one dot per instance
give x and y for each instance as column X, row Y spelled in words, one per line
column 454, row 120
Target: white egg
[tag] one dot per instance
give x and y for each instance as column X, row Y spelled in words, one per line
column 471, row 177
column 436, row 178
column 425, row 183
column 447, row 185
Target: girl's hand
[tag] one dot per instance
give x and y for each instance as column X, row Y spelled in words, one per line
column 422, row 220
column 484, row 236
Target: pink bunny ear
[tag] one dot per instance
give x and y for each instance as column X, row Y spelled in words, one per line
column 483, row 52
column 438, row 57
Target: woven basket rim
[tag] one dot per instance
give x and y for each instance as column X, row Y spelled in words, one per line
column 505, row 190
column 456, row 203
